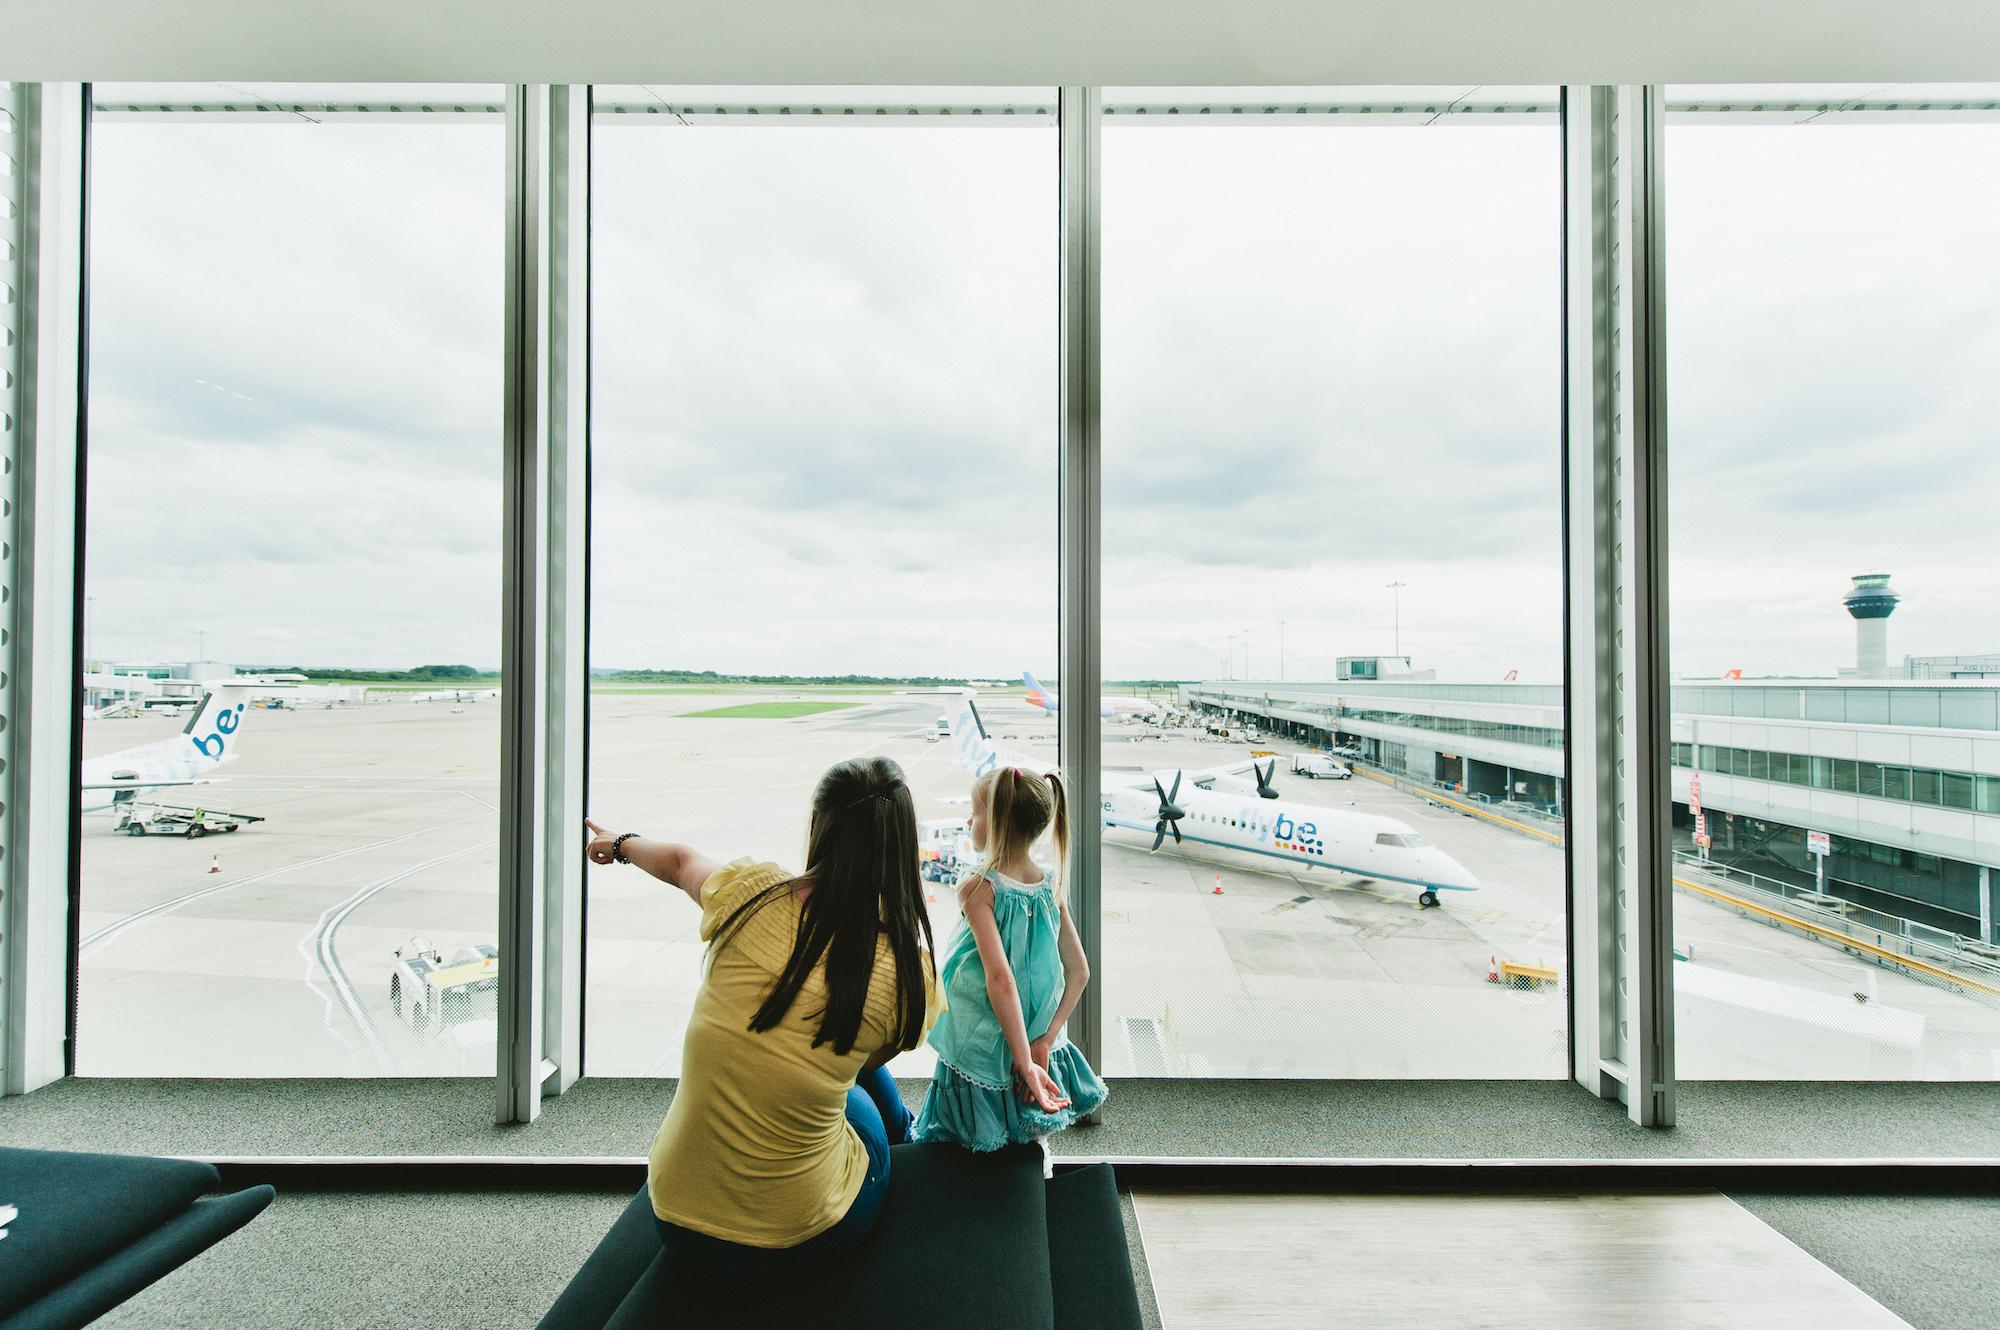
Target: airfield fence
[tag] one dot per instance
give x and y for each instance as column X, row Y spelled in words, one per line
column 1932, row 954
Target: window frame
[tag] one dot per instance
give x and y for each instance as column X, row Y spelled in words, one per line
column 1611, row 146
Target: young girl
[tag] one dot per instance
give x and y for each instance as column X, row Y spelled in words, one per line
column 1013, row 974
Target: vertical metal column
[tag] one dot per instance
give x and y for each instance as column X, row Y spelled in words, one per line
column 13, row 268
column 542, row 650
column 1079, row 116
column 566, row 416
column 41, row 262
column 1615, row 452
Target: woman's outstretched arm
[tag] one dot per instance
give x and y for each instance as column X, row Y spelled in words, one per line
column 1005, row 996
column 680, row 866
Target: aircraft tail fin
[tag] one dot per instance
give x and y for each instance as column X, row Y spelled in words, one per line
column 216, row 727
column 975, row 750
column 1037, row 695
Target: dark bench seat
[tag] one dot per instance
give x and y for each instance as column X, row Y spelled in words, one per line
column 964, row 1241
column 94, row 1229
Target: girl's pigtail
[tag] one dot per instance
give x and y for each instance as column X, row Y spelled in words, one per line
column 1000, row 816
column 1059, row 826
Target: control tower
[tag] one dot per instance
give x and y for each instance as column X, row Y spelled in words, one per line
column 1871, row 602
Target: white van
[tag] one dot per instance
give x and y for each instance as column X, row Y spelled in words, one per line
column 1319, row 766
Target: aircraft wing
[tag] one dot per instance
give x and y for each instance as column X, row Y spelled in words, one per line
column 1247, row 769
column 1205, row 778
column 137, row 783
column 978, row 754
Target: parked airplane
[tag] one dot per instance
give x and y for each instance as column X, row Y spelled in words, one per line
column 1223, row 809
column 211, row 738
column 447, row 695
column 1111, row 707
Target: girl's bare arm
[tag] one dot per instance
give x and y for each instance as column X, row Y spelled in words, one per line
column 1076, row 976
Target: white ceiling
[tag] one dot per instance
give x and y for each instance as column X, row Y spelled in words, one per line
column 1005, row 42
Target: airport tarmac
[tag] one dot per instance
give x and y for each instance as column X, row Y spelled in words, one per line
column 381, row 825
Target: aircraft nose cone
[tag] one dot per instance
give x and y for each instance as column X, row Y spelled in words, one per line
column 1449, row 872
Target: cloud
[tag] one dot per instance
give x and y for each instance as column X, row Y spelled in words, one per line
column 825, row 429
column 1829, row 332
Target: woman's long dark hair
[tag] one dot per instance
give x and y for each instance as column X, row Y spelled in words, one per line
column 861, row 854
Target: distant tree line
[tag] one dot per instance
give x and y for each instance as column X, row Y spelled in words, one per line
column 421, row 674
column 713, row 676
column 902, row 680
column 471, row 673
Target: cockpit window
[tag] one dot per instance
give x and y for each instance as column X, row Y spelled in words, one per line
column 1407, row 840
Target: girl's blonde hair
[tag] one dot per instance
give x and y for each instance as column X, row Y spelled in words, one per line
column 1021, row 805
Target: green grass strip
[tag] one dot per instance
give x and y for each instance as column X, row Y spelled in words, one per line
column 766, row 711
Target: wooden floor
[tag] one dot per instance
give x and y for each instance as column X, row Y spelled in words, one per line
column 1475, row 1262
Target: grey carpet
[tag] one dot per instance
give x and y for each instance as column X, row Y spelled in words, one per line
column 370, row 1260
column 474, row 1261
column 1144, row 1119
column 1932, row 1260
column 1142, row 1271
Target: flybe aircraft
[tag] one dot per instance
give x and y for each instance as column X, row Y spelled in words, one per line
column 1219, row 807
column 1110, row 707
column 212, row 737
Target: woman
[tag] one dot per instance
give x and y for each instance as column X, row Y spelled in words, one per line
column 775, row 1151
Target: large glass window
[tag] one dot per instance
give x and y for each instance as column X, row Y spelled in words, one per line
column 290, row 733
column 1831, row 287
column 1331, row 506
column 824, row 482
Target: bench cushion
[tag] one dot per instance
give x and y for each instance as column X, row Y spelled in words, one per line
column 962, row 1242
column 76, row 1210
column 590, row 1299
column 1090, row 1267
column 165, row 1249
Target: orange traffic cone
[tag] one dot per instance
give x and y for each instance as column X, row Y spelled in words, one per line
column 1493, row 969
column 213, row 866
column 1218, row 885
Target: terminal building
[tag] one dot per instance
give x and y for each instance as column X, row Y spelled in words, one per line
column 1902, row 775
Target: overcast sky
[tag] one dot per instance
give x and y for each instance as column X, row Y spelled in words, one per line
column 825, row 412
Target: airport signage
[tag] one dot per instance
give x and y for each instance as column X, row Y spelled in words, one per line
column 1818, row 842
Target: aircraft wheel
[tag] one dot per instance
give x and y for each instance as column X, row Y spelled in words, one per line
column 1428, row 899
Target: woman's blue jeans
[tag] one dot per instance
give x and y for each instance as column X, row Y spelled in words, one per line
column 875, row 1110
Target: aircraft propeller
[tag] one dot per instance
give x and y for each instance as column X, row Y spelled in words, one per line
column 1170, row 812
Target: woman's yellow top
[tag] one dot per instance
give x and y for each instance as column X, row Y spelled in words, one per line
column 755, row 1147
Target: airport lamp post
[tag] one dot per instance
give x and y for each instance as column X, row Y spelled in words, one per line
column 1281, row 651
column 1396, row 609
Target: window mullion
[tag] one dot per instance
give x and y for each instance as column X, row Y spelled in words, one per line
column 1615, row 547
column 1079, row 118
column 543, row 647
column 42, row 402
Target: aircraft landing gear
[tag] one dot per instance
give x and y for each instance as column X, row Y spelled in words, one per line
column 1428, row 899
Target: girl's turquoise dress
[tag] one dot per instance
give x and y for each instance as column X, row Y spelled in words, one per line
column 972, row 1099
